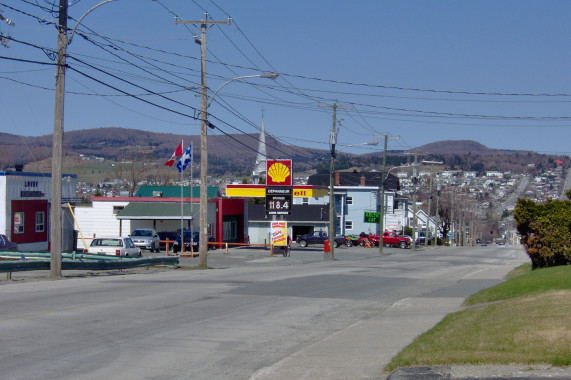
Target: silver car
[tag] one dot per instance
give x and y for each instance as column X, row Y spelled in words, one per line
column 146, row 238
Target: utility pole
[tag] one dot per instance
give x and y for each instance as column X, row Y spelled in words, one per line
column 332, row 216
column 382, row 200
column 203, row 229
column 452, row 230
column 427, row 233
column 415, row 182
column 57, row 148
column 436, row 213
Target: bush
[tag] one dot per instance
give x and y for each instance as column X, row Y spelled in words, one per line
column 545, row 231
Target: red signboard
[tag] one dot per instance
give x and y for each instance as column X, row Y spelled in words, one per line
column 278, row 173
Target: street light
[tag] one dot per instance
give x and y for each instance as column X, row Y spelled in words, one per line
column 332, row 142
column 205, row 103
column 272, row 76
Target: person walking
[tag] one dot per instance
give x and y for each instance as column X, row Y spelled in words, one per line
column 287, row 248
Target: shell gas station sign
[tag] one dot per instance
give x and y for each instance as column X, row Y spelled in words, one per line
column 278, row 176
column 279, row 190
column 278, row 173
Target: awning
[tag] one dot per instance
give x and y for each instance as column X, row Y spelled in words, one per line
column 158, row 210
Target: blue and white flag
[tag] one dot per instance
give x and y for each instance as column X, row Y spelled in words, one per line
column 185, row 159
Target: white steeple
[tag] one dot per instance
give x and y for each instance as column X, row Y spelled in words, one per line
column 260, row 166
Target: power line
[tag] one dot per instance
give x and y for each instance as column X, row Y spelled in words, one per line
column 425, row 90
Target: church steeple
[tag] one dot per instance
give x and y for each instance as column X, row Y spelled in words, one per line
column 260, row 166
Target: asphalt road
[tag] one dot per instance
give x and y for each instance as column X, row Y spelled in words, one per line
column 254, row 316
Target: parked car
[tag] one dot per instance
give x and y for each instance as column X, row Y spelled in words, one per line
column 113, row 246
column 421, row 240
column 6, row 244
column 176, row 247
column 146, row 238
column 318, row 237
column 163, row 236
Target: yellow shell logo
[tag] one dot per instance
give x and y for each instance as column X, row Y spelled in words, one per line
column 278, row 172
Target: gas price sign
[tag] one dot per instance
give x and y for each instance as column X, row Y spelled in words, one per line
column 278, row 200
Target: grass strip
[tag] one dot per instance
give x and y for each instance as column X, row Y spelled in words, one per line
column 528, row 323
column 522, row 281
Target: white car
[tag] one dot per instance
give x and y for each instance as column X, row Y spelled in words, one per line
column 113, row 246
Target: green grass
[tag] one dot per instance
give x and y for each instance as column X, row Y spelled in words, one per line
column 528, row 322
column 522, row 281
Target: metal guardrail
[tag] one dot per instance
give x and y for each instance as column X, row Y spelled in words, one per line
column 40, row 261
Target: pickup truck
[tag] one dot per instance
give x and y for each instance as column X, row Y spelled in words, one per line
column 391, row 239
column 318, row 237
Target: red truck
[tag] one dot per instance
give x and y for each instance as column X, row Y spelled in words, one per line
column 391, row 239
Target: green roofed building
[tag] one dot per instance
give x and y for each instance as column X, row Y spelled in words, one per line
column 174, row 192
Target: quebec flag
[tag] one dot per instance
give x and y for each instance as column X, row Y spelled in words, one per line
column 185, row 159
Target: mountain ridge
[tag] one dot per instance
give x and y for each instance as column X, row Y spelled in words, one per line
column 234, row 154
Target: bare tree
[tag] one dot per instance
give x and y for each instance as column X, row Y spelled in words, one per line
column 162, row 175
column 131, row 171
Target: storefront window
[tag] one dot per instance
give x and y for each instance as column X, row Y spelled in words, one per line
column 18, row 222
column 40, row 221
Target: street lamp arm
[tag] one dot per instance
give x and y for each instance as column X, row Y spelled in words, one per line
column 360, row 144
column 82, row 17
column 268, row 75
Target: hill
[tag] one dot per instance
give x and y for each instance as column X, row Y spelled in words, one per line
column 234, row 154
column 455, row 147
column 226, row 153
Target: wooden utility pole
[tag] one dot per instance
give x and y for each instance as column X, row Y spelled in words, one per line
column 203, row 229
column 382, row 195
column 332, row 216
column 427, row 233
column 452, row 225
column 57, row 148
column 415, row 182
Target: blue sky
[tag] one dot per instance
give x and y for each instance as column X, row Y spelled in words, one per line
column 496, row 72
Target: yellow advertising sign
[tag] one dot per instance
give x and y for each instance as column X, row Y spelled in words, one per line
column 301, row 191
column 309, row 192
column 279, row 233
column 246, row 191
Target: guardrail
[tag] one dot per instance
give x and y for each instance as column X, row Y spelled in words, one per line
column 20, row 261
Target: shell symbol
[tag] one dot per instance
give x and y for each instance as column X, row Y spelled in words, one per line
column 278, row 172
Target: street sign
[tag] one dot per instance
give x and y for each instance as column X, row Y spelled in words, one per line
column 278, row 200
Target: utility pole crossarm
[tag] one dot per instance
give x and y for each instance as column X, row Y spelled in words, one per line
column 203, row 22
